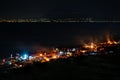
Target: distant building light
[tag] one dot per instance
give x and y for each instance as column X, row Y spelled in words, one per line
column 73, row 49
column 30, row 57
column 92, row 53
column 25, row 56
column 61, row 52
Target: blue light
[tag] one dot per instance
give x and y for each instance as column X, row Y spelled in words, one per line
column 25, row 56
column 92, row 53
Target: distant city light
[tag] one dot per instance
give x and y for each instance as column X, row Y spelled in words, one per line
column 9, row 63
column 41, row 55
column 61, row 52
column 25, row 56
column 90, row 48
column 54, row 57
column 30, row 57
column 92, row 53
column 73, row 49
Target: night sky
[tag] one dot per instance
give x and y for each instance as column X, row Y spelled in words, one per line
column 16, row 36
column 59, row 8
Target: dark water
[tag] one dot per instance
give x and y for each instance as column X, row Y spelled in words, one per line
column 22, row 35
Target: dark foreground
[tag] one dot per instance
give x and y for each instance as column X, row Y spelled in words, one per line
column 82, row 67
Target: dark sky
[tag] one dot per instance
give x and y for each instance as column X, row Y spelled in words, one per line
column 59, row 8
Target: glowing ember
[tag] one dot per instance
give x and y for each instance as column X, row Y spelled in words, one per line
column 110, row 41
column 47, row 59
column 54, row 57
column 41, row 55
column 83, row 51
column 90, row 46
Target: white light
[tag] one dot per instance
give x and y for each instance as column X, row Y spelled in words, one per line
column 30, row 57
column 61, row 53
column 25, row 56
column 68, row 52
column 73, row 49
